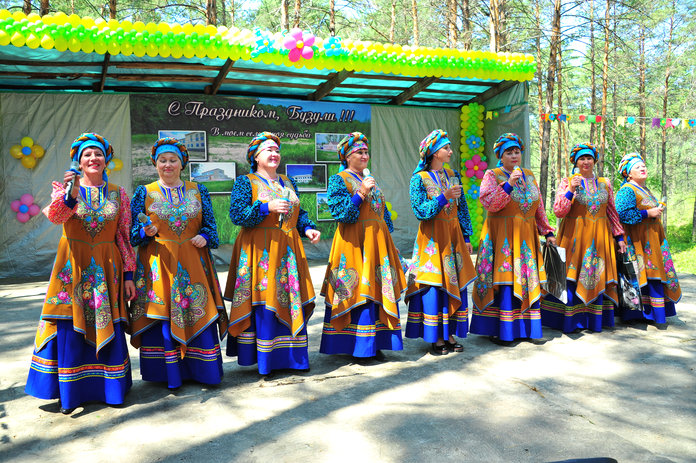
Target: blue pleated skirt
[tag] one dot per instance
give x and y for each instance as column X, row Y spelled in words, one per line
column 576, row 315
column 68, row 368
column 509, row 324
column 656, row 307
column 269, row 343
column 161, row 357
column 428, row 316
column 362, row 337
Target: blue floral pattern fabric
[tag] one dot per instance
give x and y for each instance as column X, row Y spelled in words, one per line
column 426, row 209
column 626, row 206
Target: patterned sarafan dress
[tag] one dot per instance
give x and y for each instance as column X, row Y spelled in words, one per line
column 364, row 279
column 80, row 351
column 268, row 284
column 509, row 263
column 178, row 313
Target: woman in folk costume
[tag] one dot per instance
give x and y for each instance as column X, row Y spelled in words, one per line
column 509, row 265
column 641, row 212
column 442, row 267
column 364, row 279
column 80, row 351
column 268, row 283
column 585, row 204
column 178, row 311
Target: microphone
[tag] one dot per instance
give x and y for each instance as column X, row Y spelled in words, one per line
column 454, row 181
column 520, row 182
column 366, row 173
column 144, row 219
column 74, row 167
column 286, row 197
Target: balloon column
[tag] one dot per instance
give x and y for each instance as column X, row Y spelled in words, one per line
column 392, row 212
column 473, row 162
column 27, row 151
column 25, row 207
column 62, row 32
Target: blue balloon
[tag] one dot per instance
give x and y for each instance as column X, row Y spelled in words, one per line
column 23, row 208
column 26, row 150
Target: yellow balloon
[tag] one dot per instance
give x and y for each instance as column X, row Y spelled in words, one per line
column 33, row 41
column 16, row 151
column 394, row 215
column 118, row 165
column 113, row 48
column 29, row 162
column 61, row 44
column 87, row 45
column 47, row 42
column 4, row 14
column 100, row 47
column 37, row 151
column 26, row 141
column 74, row 20
column 18, row 39
column 4, row 38
column 126, row 49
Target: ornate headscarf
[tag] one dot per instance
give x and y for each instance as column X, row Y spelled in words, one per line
column 505, row 142
column 349, row 144
column 170, row 145
column 582, row 149
column 435, row 140
column 94, row 140
column 256, row 144
column 628, row 162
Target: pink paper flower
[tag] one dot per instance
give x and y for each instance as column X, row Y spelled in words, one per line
column 299, row 44
column 475, row 167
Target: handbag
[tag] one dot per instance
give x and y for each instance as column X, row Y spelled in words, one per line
column 628, row 287
column 554, row 263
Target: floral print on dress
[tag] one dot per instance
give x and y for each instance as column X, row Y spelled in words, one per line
column 525, row 196
column 343, row 280
column 506, row 251
column 592, row 200
column 484, row 267
column 430, row 249
column 376, row 200
column 154, row 276
column 452, row 263
column 634, row 256
column 671, row 273
column 242, row 285
column 592, row 268
column 647, row 250
column 188, row 299
column 65, row 277
column 288, row 289
column 93, row 217
column 262, row 285
column 434, row 190
column 176, row 216
column 137, row 307
column 385, row 275
column 526, row 272
column 91, row 293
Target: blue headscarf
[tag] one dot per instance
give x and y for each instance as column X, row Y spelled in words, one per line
column 505, row 142
column 349, row 144
column 170, row 145
column 628, row 162
column 582, row 149
column 256, row 143
column 436, row 140
column 93, row 140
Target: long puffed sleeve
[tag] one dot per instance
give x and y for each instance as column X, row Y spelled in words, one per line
column 342, row 206
column 122, row 235
column 303, row 221
column 493, row 196
column 137, row 231
column 59, row 211
column 564, row 199
column 616, row 229
column 208, row 225
column 243, row 211
column 626, row 207
column 424, row 208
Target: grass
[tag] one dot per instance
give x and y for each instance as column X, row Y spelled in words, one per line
column 683, row 249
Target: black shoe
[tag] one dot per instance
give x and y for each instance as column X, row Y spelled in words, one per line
column 380, row 357
column 454, row 346
column 440, row 350
column 499, row 342
column 66, row 411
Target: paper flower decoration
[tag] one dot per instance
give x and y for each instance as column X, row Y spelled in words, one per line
column 264, row 43
column 473, row 142
column 333, row 47
column 27, row 151
column 475, row 167
column 473, row 191
column 25, row 207
column 299, row 44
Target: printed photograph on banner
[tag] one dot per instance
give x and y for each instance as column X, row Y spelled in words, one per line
column 194, row 140
column 218, row 177
column 307, row 177
column 326, row 147
column 323, row 213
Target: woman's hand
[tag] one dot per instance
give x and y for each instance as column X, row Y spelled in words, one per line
column 469, row 248
column 313, row 235
column 575, row 182
column 655, row 212
column 453, row 192
column 622, row 246
column 367, row 185
column 199, row 241
column 69, row 175
column 514, row 176
column 551, row 240
column 280, row 206
column 129, row 286
column 150, row 230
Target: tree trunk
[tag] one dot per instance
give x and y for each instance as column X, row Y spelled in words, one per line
column 392, row 26
column 665, row 98
column 452, row 23
column 466, row 25
column 554, row 44
column 693, row 224
column 559, row 125
column 605, row 89
column 298, row 7
column 223, row 13
column 414, row 15
column 641, row 96
column 210, row 12
column 332, row 17
column 539, row 73
column 284, row 15
column 26, row 8
column 593, row 73
column 493, row 25
column 44, row 8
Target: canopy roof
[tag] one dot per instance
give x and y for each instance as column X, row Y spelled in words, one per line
column 69, row 53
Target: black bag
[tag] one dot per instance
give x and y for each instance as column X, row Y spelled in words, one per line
column 628, row 287
column 555, row 272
